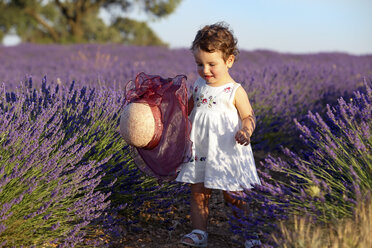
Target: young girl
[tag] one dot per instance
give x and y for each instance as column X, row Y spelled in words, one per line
column 222, row 124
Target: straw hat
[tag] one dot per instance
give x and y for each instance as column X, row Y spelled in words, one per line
column 139, row 125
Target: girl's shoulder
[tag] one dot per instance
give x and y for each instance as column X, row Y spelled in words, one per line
column 236, row 86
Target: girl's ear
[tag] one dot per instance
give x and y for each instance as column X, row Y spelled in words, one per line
column 230, row 61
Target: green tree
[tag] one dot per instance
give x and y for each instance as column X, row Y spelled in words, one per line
column 78, row 21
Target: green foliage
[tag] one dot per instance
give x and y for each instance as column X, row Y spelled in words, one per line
column 78, row 21
column 135, row 32
column 160, row 8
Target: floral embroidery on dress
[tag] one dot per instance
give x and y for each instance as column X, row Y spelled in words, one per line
column 211, row 101
column 196, row 158
column 227, row 89
column 204, row 100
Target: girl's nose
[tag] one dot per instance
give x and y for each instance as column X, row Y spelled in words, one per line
column 205, row 69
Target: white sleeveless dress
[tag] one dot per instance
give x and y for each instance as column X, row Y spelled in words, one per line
column 218, row 160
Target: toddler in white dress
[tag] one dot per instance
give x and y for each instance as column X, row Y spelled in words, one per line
column 222, row 124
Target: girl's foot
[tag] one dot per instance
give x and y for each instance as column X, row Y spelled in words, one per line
column 197, row 238
column 252, row 243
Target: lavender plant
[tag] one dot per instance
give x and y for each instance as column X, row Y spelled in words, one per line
column 62, row 163
column 323, row 182
column 47, row 192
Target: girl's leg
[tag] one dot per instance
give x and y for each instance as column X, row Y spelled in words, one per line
column 199, row 209
column 234, row 201
column 199, row 206
column 254, row 241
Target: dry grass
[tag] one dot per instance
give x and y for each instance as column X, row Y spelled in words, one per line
column 347, row 233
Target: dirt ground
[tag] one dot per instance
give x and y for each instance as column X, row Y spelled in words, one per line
column 219, row 233
column 157, row 236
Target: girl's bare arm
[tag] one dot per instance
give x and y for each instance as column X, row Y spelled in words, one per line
column 246, row 115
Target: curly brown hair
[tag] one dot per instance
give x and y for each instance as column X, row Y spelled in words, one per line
column 216, row 37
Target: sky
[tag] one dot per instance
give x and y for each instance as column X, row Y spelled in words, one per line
column 290, row 26
column 295, row 26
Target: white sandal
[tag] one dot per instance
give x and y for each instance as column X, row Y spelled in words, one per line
column 199, row 238
column 252, row 243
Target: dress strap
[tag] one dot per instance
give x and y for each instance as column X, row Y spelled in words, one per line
column 235, row 88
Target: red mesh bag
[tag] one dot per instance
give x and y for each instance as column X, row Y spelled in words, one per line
column 163, row 158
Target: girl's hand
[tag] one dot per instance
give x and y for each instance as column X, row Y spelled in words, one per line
column 242, row 136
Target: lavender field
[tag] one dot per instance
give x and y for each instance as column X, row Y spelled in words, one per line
column 66, row 177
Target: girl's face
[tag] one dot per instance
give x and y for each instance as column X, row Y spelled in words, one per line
column 212, row 67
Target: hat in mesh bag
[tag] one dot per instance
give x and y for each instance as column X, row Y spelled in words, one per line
column 154, row 122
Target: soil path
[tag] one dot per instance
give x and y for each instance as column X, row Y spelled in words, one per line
column 219, row 234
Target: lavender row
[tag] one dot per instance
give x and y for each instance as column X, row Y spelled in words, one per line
column 280, row 86
column 323, row 182
column 65, row 170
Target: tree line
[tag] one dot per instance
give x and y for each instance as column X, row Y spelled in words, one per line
column 78, row 21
